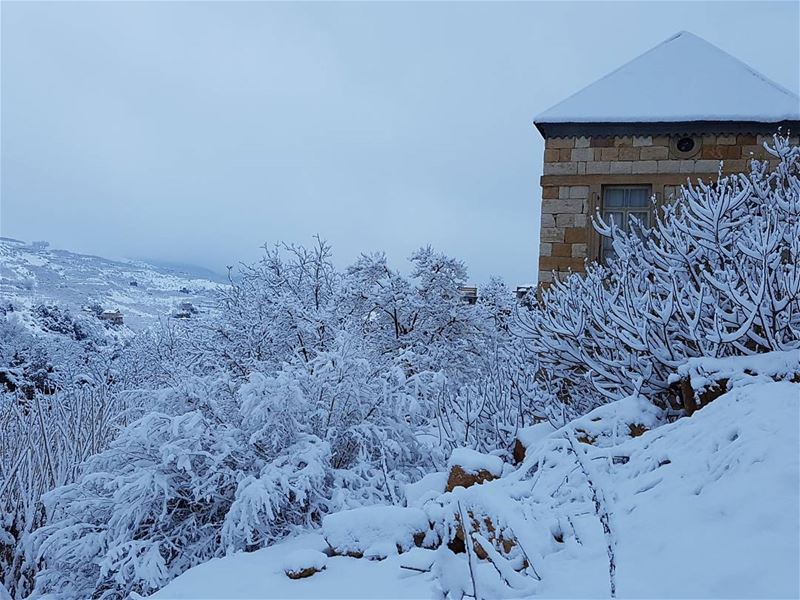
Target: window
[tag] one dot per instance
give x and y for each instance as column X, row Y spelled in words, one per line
column 620, row 203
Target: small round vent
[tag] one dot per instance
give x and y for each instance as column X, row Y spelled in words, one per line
column 685, row 144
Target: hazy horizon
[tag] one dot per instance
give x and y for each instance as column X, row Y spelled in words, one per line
column 193, row 133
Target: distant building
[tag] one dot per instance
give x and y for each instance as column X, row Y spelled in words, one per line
column 112, row 316
column 641, row 131
column 468, row 294
column 185, row 310
column 522, row 291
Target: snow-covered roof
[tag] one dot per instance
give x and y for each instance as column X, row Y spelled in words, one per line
column 683, row 79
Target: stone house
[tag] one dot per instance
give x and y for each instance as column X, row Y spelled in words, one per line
column 626, row 143
column 468, row 294
column 112, row 316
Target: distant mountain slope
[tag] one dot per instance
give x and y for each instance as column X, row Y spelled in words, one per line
column 32, row 274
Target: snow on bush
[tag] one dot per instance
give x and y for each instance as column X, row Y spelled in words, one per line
column 705, row 372
column 717, row 275
column 213, row 486
column 63, row 398
column 304, row 563
column 354, row 532
column 704, row 507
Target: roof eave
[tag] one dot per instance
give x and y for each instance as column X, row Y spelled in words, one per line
column 600, row 129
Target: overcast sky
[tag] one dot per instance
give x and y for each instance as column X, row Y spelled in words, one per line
column 195, row 132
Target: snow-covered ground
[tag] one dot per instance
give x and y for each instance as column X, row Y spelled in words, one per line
column 706, row 506
column 143, row 292
column 260, row 575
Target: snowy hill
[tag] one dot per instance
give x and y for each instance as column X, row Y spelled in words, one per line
column 34, row 274
column 706, row 506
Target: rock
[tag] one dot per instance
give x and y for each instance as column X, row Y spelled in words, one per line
column 460, row 478
column 503, row 544
column 636, row 429
column 381, row 551
column 419, row 539
column 304, row 563
column 468, row 467
column 529, row 436
column 353, row 532
column 693, row 401
column 307, row 572
column 518, row 452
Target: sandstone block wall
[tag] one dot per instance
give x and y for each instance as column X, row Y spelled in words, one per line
column 577, row 168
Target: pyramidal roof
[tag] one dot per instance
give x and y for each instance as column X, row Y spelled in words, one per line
column 682, row 79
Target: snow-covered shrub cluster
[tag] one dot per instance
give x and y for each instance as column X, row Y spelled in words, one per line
column 310, row 390
column 61, row 402
column 717, row 275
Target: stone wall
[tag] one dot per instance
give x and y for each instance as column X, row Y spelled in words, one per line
column 576, row 169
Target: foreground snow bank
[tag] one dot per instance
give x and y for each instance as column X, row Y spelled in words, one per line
column 706, row 506
column 260, row 575
column 724, row 506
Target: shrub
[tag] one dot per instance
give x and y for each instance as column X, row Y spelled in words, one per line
column 717, row 275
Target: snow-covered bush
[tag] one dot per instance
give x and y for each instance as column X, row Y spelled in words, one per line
column 278, row 309
column 173, row 490
column 227, row 469
column 309, row 390
column 61, row 401
column 718, row 274
column 468, row 372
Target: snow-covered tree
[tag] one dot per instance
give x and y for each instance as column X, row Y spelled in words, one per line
column 61, row 401
column 308, row 390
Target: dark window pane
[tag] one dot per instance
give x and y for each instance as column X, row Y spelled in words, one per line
column 615, row 198
column 620, row 205
column 638, row 197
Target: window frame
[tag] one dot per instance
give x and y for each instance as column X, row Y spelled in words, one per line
column 625, row 210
